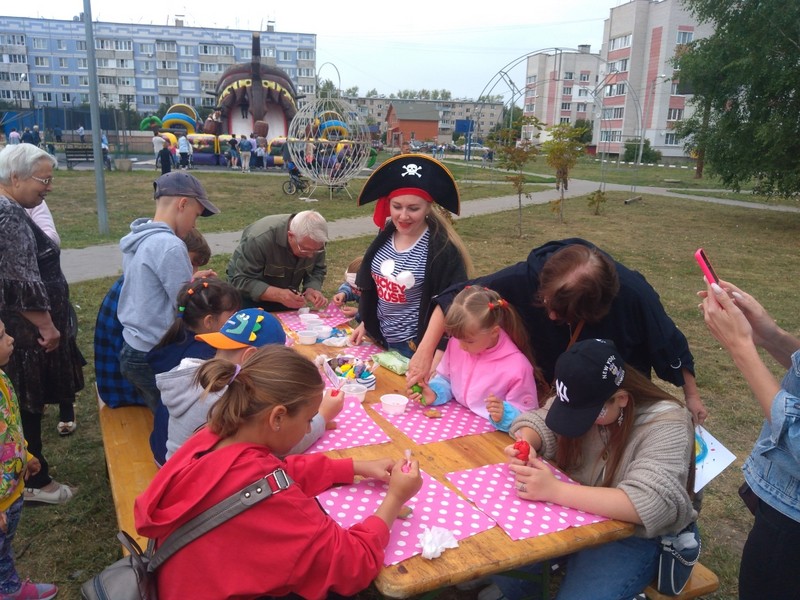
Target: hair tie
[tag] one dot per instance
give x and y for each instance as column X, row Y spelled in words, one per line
column 235, row 373
column 180, row 311
column 190, row 291
column 501, row 303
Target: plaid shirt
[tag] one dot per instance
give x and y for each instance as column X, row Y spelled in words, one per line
column 112, row 386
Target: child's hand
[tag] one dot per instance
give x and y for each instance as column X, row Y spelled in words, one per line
column 374, row 469
column 338, row 299
column 349, row 311
column 403, row 486
column 495, row 407
column 32, row 467
column 421, row 392
column 331, row 405
column 358, row 334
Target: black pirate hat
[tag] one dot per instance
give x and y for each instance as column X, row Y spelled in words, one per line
column 408, row 173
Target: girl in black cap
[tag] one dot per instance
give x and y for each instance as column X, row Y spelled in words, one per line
column 630, row 444
column 416, row 255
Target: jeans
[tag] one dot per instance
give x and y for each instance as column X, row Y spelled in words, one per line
column 134, row 367
column 9, row 579
column 403, row 348
column 770, row 557
column 614, row 571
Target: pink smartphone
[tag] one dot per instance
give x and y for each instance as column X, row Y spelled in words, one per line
column 705, row 266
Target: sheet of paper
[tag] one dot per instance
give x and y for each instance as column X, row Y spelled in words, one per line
column 354, row 428
column 456, row 421
column 711, row 457
column 434, row 505
column 492, row 490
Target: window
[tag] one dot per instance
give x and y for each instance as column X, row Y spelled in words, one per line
column 148, row 100
column 17, row 58
column 186, row 50
column 529, row 108
column 126, row 81
column 305, row 72
column 127, row 98
column 211, row 68
column 62, row 63
column 187, row 67
column 284, row 56
column 147, row 48
column 615, row 89
column 215, row 50
column 609, row 135
column 623, row 41
column 188, row 100
column 189, row 86
column 83, row 81
column 673, row 90
column 44, row 80
column 569, row 75
column 5, row 95
column 531, row 79
column 168, row 81
column 104, row 63
column 684, row 37
column 66, row 97
column 165, row 46
column 124, row 63
column 564, row 120
column 39, row 43
column 583, row 92
column 305, row 55
column 618, row 65
column 80, row 45
column 101, row 44
column 124, row 45
column 147, row 66
column 148, row 84
column 84, row 98
column 245, row 54
column 671, row 139
column 616, row 112
column 581, row 107
column 106, row 80
column 83, row 63
column 566, row 105
column 268, row 51
column 44, row 97
column 41, row 61
column 206, row 102
column 168, row 64
column 12, row 39
column 674, row 114
column 584, row 77
column 567, row 91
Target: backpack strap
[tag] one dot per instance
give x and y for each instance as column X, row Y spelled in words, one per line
column 275, row 482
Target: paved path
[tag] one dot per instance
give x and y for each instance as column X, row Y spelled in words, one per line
column 106, row 260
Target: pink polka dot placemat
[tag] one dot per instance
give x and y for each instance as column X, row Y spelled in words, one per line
column 330, row 315
column 492, row 490
column 434, row 505
column 363, row 351
column 456, row 421
column 354, row 427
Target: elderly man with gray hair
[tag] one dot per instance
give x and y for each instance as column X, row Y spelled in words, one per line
column 280, row 262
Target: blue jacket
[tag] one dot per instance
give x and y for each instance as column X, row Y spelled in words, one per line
column 773, row 468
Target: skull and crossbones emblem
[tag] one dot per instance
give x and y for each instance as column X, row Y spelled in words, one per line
column 412, row 170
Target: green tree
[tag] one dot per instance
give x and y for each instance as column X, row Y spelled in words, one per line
column 514, row 154
column 373, row 93
column 351, row 92
column 632, row 151
column 587, row 127
column 745, row 80
column 327, row 89
column 562, row 152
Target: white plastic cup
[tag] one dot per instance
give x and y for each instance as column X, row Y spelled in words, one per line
column 307, row 337
column 355, row 390
column 393, row 404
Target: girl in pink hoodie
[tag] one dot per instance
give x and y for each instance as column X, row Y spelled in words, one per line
column 487, row 365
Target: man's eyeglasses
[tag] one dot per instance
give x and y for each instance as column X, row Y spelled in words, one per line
column 309, row 251
column 45, row 181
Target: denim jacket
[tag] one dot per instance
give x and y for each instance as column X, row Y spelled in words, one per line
column 773, row 468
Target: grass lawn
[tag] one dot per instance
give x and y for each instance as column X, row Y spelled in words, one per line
column 656, row 236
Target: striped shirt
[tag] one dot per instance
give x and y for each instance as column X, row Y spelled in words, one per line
column 399, row 277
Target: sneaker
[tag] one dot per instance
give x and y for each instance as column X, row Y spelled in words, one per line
column 58, row 493
column 491, row 592
column 32, row 591
column 66, row 427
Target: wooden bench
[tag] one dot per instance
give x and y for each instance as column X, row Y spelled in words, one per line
column 78, row 154
column 703, row 581
column 126, row 434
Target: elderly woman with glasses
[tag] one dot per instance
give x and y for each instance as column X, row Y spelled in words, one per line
column 45, row 367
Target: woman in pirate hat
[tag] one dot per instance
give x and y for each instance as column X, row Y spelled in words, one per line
column 416, row 255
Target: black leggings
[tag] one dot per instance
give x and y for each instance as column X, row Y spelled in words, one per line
column 771, row 557
column 32, row 427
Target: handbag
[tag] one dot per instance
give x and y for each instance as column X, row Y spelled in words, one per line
column 677, row 558
column 133, row 577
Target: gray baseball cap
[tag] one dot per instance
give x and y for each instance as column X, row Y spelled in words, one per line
column 177, row 183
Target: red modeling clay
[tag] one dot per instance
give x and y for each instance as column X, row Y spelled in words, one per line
column 523, row 449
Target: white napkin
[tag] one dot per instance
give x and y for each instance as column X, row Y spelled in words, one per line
column 435, row 541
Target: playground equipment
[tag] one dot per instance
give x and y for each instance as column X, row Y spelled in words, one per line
column 329, row 142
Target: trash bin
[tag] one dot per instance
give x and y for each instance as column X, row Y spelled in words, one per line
column 124, row 164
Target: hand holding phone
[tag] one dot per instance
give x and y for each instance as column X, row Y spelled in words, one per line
column 705, row 266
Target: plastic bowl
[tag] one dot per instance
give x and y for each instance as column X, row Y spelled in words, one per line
column 323, row 331
column 307, row 337
column 356, row 390
column 393, row 404
column 303, row 310
column 308, row 318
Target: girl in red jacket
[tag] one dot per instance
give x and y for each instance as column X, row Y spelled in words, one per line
column 285, row 544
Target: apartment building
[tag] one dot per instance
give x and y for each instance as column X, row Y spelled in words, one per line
column 485, row 115
column 630, row 88
column 43, row 62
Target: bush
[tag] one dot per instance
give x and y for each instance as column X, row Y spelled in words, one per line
column 648, row 154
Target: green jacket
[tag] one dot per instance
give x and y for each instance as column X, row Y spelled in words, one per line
column 264, row 258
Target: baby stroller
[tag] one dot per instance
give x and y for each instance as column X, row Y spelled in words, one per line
column 296, row 182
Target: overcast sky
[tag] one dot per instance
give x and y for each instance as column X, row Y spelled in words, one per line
column 413, row 44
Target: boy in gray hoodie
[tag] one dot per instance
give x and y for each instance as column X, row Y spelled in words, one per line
column 155, row 264
column 240, row 336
